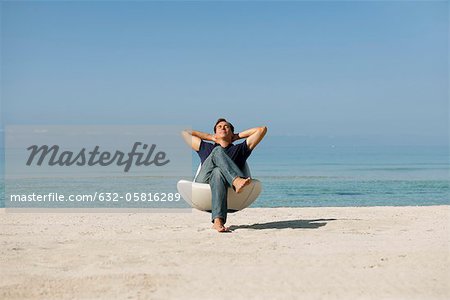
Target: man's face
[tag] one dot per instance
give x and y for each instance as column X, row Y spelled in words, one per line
column 223, row 130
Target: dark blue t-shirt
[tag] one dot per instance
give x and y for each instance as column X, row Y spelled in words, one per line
column 238, row 153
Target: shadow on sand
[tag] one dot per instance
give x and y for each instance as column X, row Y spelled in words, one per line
column 294, row 224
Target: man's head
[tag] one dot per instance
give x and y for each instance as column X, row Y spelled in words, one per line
column 224, row 129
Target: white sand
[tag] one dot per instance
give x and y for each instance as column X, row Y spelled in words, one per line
column 273, row 253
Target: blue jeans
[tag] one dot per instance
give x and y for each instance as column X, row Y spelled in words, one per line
column 219, row 170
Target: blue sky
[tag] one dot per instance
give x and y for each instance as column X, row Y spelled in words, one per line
column 340, row 69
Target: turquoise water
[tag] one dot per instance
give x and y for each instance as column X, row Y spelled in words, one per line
column 297, row 175
column 330, row 175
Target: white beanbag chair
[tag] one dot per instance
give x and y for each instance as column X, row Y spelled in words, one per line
column 198, row 195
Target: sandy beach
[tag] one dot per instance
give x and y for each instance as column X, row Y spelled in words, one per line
column 272, row 253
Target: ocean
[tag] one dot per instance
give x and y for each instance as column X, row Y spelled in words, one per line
column 330, row 175
column 295, row 174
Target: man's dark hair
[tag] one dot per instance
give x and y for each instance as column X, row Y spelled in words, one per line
column 224, row 120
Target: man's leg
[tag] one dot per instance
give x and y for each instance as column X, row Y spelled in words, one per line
column 218, row 158
column 219, row 191
column 220, row 171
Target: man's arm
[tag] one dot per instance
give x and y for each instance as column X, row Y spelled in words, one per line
column 194, row 138
column 253, row 136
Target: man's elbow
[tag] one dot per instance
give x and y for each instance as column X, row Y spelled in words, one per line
column 263, row 129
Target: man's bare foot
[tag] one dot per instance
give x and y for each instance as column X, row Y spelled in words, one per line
column 219, row 225
column 240, row 182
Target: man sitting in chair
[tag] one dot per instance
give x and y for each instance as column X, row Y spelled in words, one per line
column 223, row 162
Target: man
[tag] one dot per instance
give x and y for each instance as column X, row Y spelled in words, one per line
column 223, row 162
